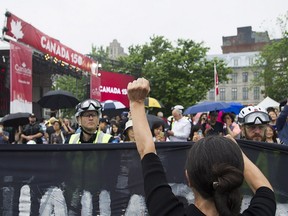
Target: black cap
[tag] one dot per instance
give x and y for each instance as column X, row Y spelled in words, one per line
column 213, row 113
column 32, row 115
column 104, row 120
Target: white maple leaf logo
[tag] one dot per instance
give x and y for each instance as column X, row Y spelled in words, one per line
column 16, row 29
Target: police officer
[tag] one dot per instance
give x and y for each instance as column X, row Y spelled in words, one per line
column 32, row 132
column 253, row 121
column 89, row 112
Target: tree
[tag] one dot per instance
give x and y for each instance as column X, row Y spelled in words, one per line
column 177, row 75
column 274, row 61
column 78, row 87
column 101, row 55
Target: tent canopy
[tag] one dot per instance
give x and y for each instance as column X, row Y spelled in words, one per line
column 268, row 102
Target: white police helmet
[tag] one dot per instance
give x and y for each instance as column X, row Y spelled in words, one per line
column 89, row 104
column 253, row 115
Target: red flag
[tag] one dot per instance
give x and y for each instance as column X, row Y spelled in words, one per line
column 216, row 81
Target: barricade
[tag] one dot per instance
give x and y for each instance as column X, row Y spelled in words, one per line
column 106, row 179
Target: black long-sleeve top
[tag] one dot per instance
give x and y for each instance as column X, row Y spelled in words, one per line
column 160, row 199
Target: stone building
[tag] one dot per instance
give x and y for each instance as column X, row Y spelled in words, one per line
column 240, row 52
column 115, row 50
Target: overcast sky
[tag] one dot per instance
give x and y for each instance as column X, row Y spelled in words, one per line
column 79, row 24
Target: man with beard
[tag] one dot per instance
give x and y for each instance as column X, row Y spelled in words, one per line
column 32, row 132
column 253, row 121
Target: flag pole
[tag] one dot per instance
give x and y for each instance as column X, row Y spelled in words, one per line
column 216, row 90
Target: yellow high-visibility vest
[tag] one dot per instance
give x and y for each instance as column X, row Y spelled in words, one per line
column 100, row 138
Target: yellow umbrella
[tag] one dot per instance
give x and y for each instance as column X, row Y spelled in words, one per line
column 152, row 102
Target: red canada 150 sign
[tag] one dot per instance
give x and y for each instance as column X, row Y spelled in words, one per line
column 26, row 33
column 111, row 86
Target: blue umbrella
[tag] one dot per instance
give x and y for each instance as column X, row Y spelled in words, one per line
column 206, row 106
column 235, row 107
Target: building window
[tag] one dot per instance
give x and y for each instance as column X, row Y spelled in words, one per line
column 211, row 95
column 256, row 93
column 222, row 94
column 235, row 62
column 245, row 77
column 256, row 75
column 251, row 60
column 245, row 93
column 234, row 94
column 234, row 77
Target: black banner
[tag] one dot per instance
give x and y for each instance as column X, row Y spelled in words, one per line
column 106, row 179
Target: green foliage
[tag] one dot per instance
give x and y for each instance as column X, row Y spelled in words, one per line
column 178, row 74
column 101, row 55
column 274, row 61
column 78, row 87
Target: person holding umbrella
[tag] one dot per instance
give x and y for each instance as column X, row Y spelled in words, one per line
column 213, row 127
column 89, row 112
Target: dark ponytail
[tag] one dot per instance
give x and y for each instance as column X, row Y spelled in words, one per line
column 227, row 196
column 215, row 170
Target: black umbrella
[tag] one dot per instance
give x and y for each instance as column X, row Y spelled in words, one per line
column 152, row 119
column 58, row 99
column 15, row 119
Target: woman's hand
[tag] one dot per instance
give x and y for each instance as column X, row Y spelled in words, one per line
column 137, row 92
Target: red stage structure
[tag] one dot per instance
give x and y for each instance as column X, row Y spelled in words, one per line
column 49, row 56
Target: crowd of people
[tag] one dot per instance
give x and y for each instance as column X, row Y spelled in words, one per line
column 251, row 123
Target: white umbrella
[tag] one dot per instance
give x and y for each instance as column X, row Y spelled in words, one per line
column 112, row 104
